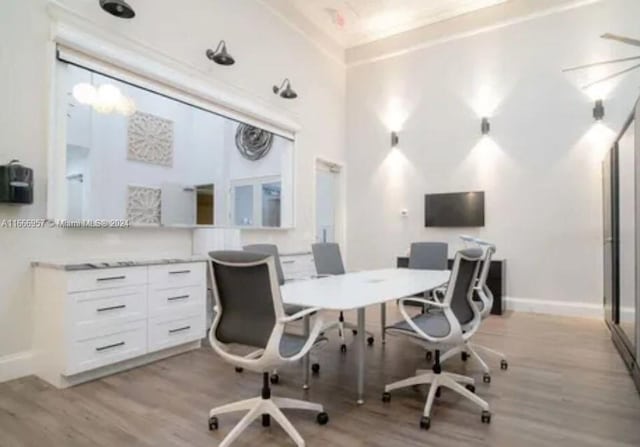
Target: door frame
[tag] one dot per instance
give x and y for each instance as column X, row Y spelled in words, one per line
column 341, row 215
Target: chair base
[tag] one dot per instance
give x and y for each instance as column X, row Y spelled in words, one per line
column 271, row 407
column 454, row 382
column 471, row 349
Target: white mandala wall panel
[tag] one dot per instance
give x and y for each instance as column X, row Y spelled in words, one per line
column 150, row 139
column 143, row 205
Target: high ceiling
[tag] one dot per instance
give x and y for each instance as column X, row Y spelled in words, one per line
column 354, row 22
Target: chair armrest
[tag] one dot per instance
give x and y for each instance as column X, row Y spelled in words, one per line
column 313, row 335
column 301, row 314
column 425, row 302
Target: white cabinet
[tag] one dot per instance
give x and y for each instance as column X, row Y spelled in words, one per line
column 90, row 323
column 298, row 266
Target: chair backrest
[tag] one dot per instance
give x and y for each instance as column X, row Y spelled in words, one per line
column 328, row 259
column 428, row 255
column 489, row 251
column 459, row 294
column 268, row 249
column 247, row 296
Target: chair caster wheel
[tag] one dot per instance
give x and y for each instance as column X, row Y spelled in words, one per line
column 322, row 418
column 471, row 388
column 343, row 348
column 425, row 423
column 429, row 356
column 504, row 365
column 438, row 392
column 213, row 423
column 315, row 368
column 386, row 397
column 464, row 356
column 486, row 417
column 486, row 378
column 239, row 370
column 370, row 341
column 354, row 331
column 275, row 379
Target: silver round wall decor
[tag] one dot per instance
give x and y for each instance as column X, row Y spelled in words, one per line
column 252, row 142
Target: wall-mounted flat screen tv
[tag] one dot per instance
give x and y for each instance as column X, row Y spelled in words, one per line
column 460, row 209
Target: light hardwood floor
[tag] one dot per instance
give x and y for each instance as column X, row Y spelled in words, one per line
column 566, row 386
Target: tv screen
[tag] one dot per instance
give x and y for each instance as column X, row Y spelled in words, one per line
column 463, row 209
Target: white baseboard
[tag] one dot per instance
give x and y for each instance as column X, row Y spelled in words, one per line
column 564, row 308
column 17, row 365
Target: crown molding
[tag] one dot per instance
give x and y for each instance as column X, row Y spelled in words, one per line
column 467, row 25
column 307, row 29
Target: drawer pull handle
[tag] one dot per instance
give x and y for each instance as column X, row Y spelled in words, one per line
column 115, row 345
column 180, row 272
column 181, row 297
column 112, row 278
column 106, row 309
column 289, row 262
column 180, row 329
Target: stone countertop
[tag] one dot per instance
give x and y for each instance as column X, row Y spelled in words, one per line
column 77, row 265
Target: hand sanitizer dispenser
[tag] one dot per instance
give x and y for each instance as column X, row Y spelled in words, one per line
column 16, row 183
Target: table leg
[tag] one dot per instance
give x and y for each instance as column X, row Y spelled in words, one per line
column 361, row 354
column 305, row 359
column 383, row 321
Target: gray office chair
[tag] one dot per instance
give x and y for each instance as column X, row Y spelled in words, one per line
column 469, row 349
column 444, row 328
column 249, row 312
column 289, row 309
column 328, row 260
column 428, row 255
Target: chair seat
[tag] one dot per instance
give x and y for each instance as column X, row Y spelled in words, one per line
column 292, row 344
column 434, row 324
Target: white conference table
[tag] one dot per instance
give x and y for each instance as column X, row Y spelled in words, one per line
column 356, row 291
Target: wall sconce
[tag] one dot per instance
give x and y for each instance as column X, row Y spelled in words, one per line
column 394, row 139
column 285, row 91
column 485, row 126
column 598, row 110
column 220, row 56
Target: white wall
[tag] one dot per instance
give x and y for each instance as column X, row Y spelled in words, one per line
column 266, row 53
column 540, row 167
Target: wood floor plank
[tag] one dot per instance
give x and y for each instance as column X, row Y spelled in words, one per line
column 566, row 386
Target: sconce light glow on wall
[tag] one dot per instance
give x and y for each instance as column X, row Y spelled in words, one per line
column 598, row 110
column 105, row 99
column 394, row 139
column 485, row 126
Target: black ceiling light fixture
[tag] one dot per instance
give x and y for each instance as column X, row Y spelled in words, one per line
column 118, row 8
column 220, row 56
column 285, row 90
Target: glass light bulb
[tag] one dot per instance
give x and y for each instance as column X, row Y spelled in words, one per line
column 109, row 94
column 85, row 93
column 126, row 106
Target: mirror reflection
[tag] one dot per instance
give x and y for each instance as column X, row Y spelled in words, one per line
column 175, row 164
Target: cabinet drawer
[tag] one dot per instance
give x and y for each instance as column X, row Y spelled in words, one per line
column 124, row 342
column 90, row 312
column 177, row 275
column 176, row 301
column 296, row 267
column 167, row 332
column 106, row 278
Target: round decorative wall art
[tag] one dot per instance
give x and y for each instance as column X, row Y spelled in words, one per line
column 252, row 142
